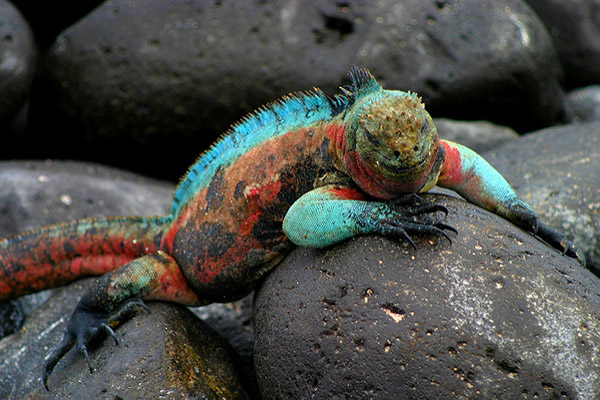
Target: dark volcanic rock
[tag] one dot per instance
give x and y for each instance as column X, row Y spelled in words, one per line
column 17, row 61
column 557, row 172
column 179, row 73
column 575, row 29
column 496, row 314
column 168, row 353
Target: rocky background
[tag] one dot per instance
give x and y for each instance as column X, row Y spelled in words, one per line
column 147, row 85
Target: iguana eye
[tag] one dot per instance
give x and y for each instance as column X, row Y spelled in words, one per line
column 371, row 137
column 416, row 148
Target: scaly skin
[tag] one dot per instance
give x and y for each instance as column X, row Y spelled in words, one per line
column 307, row 170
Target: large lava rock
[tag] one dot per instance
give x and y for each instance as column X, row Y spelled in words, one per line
column 495, row 314
column 130, row 74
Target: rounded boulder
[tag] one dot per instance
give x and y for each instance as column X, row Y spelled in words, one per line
column 495, row 314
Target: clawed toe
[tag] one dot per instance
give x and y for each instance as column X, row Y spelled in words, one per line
column 86, row 325
column 401, row 228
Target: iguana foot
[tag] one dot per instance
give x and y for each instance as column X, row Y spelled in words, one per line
column 410, row 217
column 559, row 241
column 520, row 213
column 86, row 325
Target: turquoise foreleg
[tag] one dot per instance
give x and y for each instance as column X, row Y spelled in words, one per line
column 468, row 174
column 331, row 214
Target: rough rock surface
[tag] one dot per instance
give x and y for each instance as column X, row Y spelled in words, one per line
column 557, row 172
column 168, row 353
column 575, row 29
column 18, row 57
column 495, row 314
column 480, row 136
column 179, row 73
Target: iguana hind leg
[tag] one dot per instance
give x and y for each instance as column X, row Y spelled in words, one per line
column 116, row 297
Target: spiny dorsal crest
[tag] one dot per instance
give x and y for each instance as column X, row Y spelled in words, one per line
column 363, row 82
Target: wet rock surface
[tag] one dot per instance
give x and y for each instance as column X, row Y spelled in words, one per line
column 556, row 171
column 496, row 314
column 583, row 105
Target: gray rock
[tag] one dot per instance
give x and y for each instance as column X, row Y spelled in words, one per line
column 133, row 74
column 168, row 353
column 495, row 314
column 583, row 105
column 18, row 57
column 575, row 29
column 556, row 171
column 35, row 193
column 480, row 136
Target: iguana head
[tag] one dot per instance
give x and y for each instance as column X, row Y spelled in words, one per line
column 392, row 143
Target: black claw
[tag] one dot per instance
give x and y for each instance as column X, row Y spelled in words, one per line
column 395, row 228
column 400, row 228
column 108, row 330
column 557, row 240
column 414, row 246
column 65, row 345
column 446, row 227
column 444, row 234
column 82, row 349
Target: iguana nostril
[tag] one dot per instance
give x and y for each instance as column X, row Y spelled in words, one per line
column 416, row 148
column 396, row 154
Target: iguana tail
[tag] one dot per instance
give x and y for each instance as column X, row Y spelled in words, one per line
column 58, row 254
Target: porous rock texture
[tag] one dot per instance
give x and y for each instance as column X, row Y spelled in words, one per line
column 495, row 314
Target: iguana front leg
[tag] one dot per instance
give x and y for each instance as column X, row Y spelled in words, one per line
column 468, row 174
column 331, row 214
column 116, row 297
